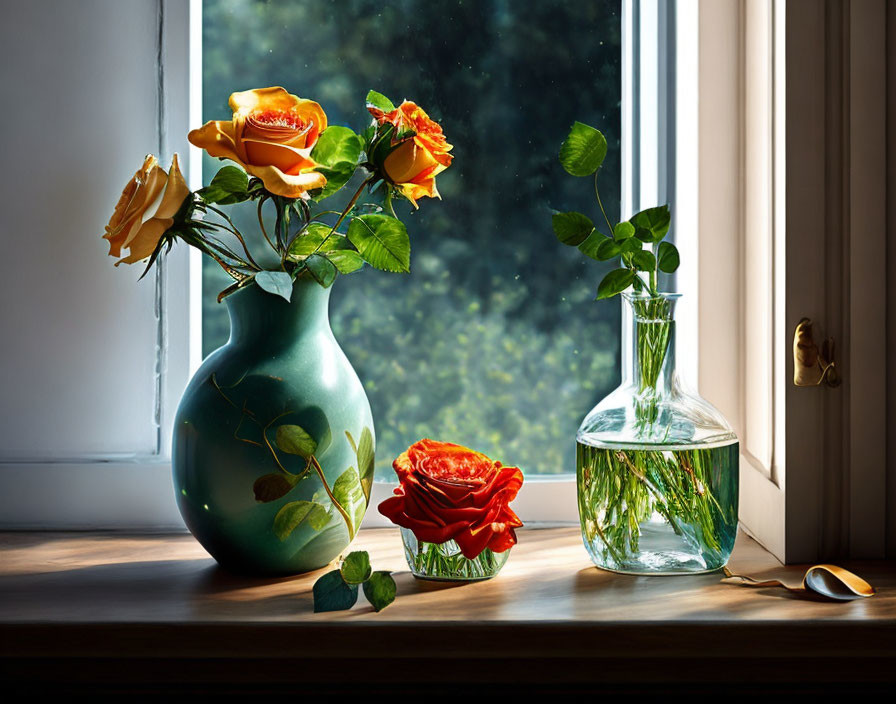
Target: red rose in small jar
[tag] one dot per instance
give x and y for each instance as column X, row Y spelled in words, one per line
column 449, row 492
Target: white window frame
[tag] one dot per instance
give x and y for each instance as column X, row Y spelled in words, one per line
column 132, row 490
column 141, row 484
column 736, row 224
column 787, row 150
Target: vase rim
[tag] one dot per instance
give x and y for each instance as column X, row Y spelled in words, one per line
column 300, row 281
column 646, row 296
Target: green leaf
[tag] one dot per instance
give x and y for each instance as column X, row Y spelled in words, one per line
column 583, row 151
column 378, row 100
column 322, row 269
column 608, row 249
column 590, row 246
column 331, row 593
column 356, row 567
column 276, row 282
column 337, row 242
column 615, row 282
column 230, row 185
column 271, row 487
column 572, row 228
column 337, row 176
column 348, row 492
column 293, row 440
column 667, row 257
column 346, row 261
column 339, row 250
column 382, row 241
column 337, row 151
column 380, row 590
column 623, row 231
column 305, row 244
column 336, row 145
column 651, row 225
column 630, row 246
column 293, row 514
column 365, row 461
column 644, row 260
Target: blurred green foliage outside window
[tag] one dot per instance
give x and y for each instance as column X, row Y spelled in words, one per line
column 494, row 340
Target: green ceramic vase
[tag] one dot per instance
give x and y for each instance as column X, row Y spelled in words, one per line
column 273, row 440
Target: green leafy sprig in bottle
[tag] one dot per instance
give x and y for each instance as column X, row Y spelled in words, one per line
column 641, row 249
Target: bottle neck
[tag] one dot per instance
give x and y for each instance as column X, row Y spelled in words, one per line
column 265, row 319
column 650, row 326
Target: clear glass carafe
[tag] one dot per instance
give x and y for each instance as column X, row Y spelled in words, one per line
column 657, row 466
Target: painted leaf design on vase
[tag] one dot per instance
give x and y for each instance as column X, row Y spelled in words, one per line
column 348, row 493
column 293, row 514
column 364, row 451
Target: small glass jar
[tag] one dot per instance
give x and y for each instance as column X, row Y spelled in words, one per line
column 444, row 562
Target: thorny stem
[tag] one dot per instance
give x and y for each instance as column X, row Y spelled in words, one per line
column 345, row 211
column 207, row 247
column 224, row 250
column 387, row 201
column 306, row 221
column 261, row 224
column 238, row 276
column 236, row 233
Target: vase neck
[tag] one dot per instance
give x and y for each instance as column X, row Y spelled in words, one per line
column 650, row 322
column 261, row 318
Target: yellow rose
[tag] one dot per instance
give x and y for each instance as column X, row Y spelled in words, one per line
column 145, row 210
column 271, row 135
column 415, row 163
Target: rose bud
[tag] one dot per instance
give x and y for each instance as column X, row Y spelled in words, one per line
column 146, row 209
column 414, row 162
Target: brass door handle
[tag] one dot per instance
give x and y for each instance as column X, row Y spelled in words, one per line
column 813, row 366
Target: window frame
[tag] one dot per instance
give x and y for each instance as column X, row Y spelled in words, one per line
column 730, row 83
column 142, row 483
column 790, row 99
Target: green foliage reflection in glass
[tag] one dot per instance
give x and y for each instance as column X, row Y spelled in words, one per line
column 489, row 342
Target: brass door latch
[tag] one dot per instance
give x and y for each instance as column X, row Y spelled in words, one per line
column 813, row 366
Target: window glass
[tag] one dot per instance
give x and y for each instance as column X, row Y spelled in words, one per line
column 494, row 340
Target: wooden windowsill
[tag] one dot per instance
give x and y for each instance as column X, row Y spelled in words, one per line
column 101, row 606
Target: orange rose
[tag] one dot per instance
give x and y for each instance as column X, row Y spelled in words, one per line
column 449, row 492
column 271, row 135
column 414, row 164
column 150, row 191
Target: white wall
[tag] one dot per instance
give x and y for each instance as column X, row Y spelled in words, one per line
column 80, row 80
column 92, row 361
